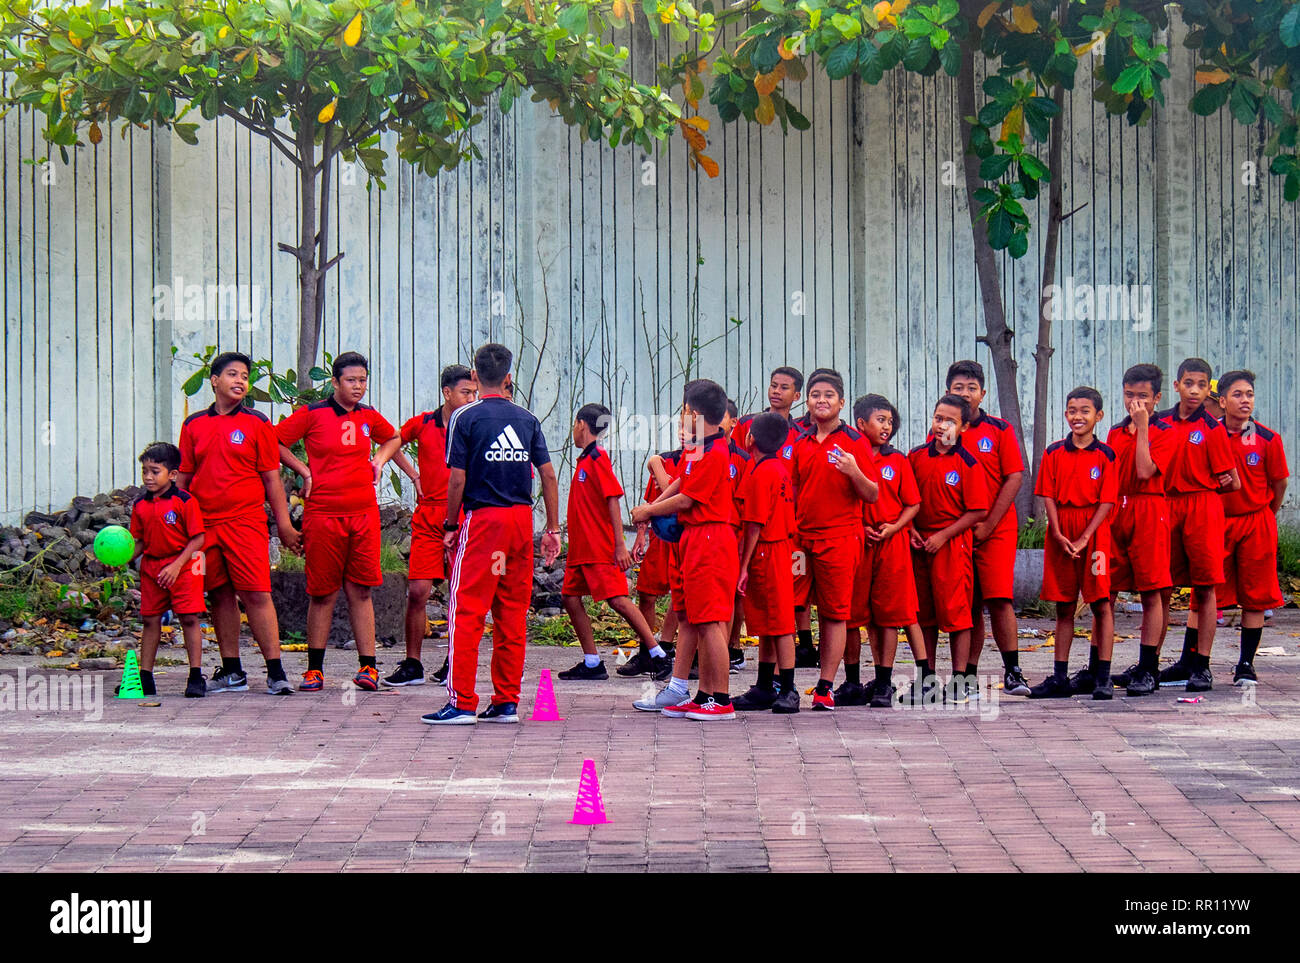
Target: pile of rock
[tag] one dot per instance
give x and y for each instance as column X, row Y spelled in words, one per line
column 63, row 539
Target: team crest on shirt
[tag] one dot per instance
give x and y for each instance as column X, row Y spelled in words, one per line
column 733, row 471
column 1095, row 473
column 365, row 430
column 582, row 474
column 171, row 517
column 887, row 473
column 787, row 452
column 1196, row 438
column 951, row 478
column 986, row 445
column 1252, row 458
column 236, row 437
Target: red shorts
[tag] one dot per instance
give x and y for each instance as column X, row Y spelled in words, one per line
column 339, row 547
column 710, row 568
column 1250, row 568
column 1066, row 578
column 769, row 595
column 185, row 597
column 237, row 551
column 860, row 609
column 428, row 555
column 1196, row 538
column 652, row 576
column 826, row 574
column 1139, row 537
column 893, row 585
column 995, row 559
column 945, row 584
column 600, row 580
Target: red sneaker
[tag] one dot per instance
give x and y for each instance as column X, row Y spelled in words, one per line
column 313, row 680
column 367, row 678
column 679, row 711
column 711, row 711
column 823, row 703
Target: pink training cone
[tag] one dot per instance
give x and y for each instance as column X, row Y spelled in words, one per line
column 544, row 709
column 588, row 809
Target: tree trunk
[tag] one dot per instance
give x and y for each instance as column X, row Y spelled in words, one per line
column 997, row 336
column 308, row 272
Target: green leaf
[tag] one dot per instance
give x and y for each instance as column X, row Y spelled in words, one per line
column 1207, row 100
column 1291, row 187
column 1130, row 77
column 573, row 19
column 950, row 57
column 1032, row 166
column 994, row 166
column 797, row 120
column 1289, row 30
column 919, row 52
column 841, row 60
column 1018, row 244
column 981, row 144
column 1243, row 105
column 194, row 382
column 999, row 229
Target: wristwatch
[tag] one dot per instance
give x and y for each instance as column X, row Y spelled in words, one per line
column 450, row 526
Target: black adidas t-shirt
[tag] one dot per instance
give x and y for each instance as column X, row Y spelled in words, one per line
column 496, row 443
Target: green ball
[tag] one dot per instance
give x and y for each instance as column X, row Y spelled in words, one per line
column 114, row 546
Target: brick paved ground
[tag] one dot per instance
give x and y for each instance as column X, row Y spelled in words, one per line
column 327, row 782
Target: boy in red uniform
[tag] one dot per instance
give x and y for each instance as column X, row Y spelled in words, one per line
column 1078, row 484
column 1250, row 534
column 168, row 530
column 428, row 561
column 1200, row 468
column 993, row 443
column 657, row 560
column 884, row 589
column 230, row 463
column 1143, row 445
column 766, row 576
column 598, row 559
column 833, row 474
column 783, row 388
column 954, row 496
column 340, row 524
column 703, row 500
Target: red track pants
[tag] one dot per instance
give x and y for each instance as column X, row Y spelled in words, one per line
column 492, row 571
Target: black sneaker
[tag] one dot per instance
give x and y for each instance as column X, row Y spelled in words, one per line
column 1014, row 682
column 1103, row 690
column 806, row 657
column 1140, row 683
column 757, row 699
column 236, row 680
column 507, row 712
column 883, row 697
column 787, row 702
column 1122, row 679
column 737, row 659
column 1052, row 688
column 1200, row 680
column 409, row 672
column 636, row 665
column 196, row 688
column 1082, row 683
column 1176, row 674
column 923, row 692
column 584, row 672
column 1244, row 674
column 661, row 667
column 440, row 676
column 852, row 694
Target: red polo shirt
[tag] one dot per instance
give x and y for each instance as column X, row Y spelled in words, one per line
column 993, row 443
column 739, row 462
column 1200, row 452
column 1082, row 477
column 165, row 523
column 225, row 456
column 897, row 487
column 1161, row 439
column 430, row 435
column 706, row 478
column 740, row 435
column 338, row 451
column 767, row 499
column 1260, row 462
column 950, row 483
column 826, row 503
column 591, row 536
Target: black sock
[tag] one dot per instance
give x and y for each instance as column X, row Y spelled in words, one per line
column 700, row 697
column 923, row 667
column 316, row 659
column 1200, row 661
column 1249, row 644
column 643, row 649
column 853, row 672
column 766, row 673
column 1189, row 644
column 196, row 672
column 1011, row 659
column 231, row 665
column 367, row 660
column 805, row 636
column 1092, row 660
column 823, row 687
column 722, row 698
column 1148, row 658
column 972, row 667
column 1061, row 669
column 884, row 676
column 787, row 680
column 1102, row 672
column 146, row 682
column 274, row 670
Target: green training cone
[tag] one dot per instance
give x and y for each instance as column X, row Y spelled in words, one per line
column 131, row 688
column 114, row 546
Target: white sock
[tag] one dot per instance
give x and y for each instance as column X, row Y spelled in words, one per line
column 591, row 661
column 657, row 652
column 679, row 686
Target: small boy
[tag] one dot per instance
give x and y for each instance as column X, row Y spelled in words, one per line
column 428, row 560
column 884, row 594
column 1201, row 468
column 833, row 474
column 1078, row 484
column 168, row 530
column 657, row 561
column 1143, row 446
column 598, row 560
column 703, row 500
column 766, row 577
column 1250, row 536
column 783, row 391
column 954, row 497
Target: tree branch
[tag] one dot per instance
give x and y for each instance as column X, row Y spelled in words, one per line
column 266, row 131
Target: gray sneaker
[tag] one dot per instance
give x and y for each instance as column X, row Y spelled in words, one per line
column 665, row 698
column 279, row 687
column 223, row 681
